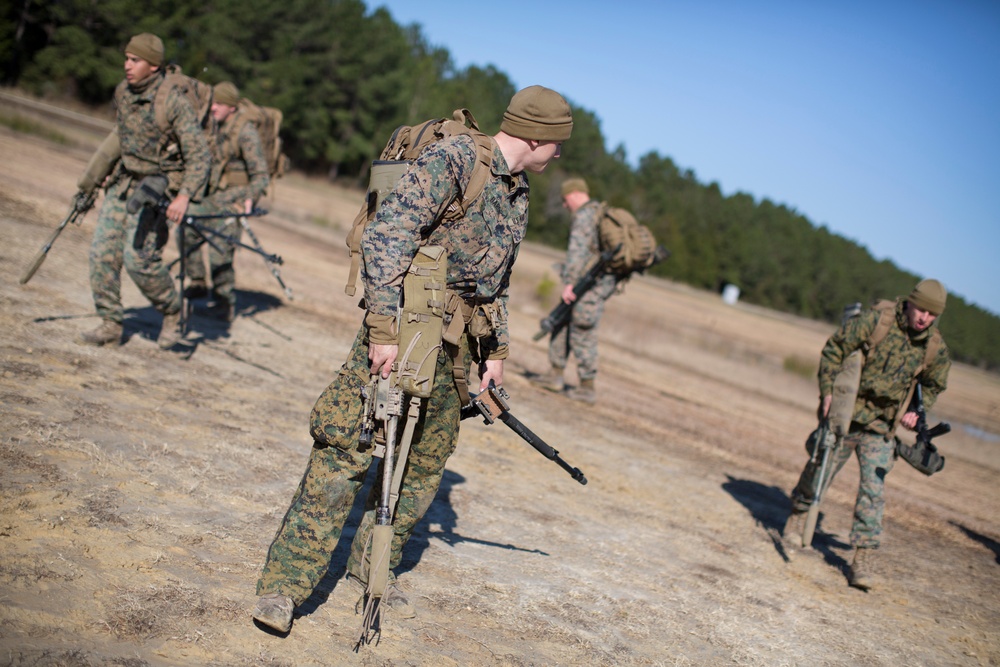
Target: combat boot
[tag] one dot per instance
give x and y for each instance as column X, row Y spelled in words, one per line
column 108, row 332
column 275, row 611
column 170, row 332
column 553, row 380
column 792, row 532
column 394, row 598
column 584, row 393
column 862, row 574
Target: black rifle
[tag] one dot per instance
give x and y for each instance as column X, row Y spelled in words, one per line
column 559, row 317
column 492, row 405
column 82, row 202
column 821, row 453
column 923, row 455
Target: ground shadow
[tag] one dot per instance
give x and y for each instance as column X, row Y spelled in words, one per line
column 769, row 506
column 987, row 542
column 440, row 514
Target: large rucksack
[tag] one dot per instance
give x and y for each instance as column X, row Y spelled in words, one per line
column 267, row 120
column 403, row 147
column 198, row 93
column 633, row 243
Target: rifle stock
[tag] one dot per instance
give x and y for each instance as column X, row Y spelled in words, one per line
column 82, row 203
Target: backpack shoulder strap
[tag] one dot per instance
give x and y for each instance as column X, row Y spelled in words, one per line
column 170, row 81
column 886, row 315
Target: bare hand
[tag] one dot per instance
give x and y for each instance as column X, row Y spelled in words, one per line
column 248, row 206
column 381, row 358
column 909, row 421
column 824, row 406
column 178, row 207
column 568, row 295
column 490, row 370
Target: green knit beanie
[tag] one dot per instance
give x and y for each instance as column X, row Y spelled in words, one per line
column 147, row 46
column 574, row 185
column 538, row 113
column 929, row 295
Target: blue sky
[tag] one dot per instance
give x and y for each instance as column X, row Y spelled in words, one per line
column 878, row 120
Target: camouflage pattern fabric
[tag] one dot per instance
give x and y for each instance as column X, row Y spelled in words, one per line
column 876, row 457
column 482, row 246
column 141, row 143
column 580, row 336
column 299, row 555
column 112, row 247
column 888, row 371
column 245, row 150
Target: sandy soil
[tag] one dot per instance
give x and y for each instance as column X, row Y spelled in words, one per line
column 141, row 488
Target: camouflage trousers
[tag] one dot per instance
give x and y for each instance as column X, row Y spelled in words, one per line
column 299, row 556
column 580, row 336
column 113, row 246
column 220, row 252
column 876, row 457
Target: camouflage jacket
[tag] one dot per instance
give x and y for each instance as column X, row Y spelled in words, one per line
column 481, row 246
column 239, row 168
column 585, row 248
column 183, row 154
column 889, row 368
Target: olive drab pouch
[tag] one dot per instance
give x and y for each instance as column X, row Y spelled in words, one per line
column 923, row 456
column 421, row 320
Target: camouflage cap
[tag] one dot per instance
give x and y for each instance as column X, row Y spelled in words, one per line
column 147, row 46
column 226, row 93
column 929, row 295
column 539, row 113
column 574, row 185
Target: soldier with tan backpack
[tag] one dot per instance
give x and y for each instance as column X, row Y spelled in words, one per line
column 897, row 348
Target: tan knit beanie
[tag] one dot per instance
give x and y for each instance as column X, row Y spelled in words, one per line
column 574, row 185
column 929, row 295
column 538, row 113
column 147, row 46
column 226, row 93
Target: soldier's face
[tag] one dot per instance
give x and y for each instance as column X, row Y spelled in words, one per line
column 917, row 318
column 136, row 69
column 220, row 112
column 543, row 153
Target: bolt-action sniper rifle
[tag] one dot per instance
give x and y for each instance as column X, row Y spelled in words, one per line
column 923, row 455
column 492, row 405
column 82, row 202
column 559, row 317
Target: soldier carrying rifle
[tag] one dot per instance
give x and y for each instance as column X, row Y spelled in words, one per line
column 901, row 350
column 477, row 250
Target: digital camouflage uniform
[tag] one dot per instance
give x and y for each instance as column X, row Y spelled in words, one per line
column 580, row 336
column 888, row 372
column 481, row 250
column 141, row 154
column 239, row 172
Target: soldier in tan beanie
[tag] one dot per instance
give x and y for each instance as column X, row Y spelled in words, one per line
column 901, row 348
column 480, row 243
column 239, row 179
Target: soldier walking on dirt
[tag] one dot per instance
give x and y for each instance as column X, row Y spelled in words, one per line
column 239, row 178
column 481, row 247
column 580, row 335
column 180, row 152
column 911, row 352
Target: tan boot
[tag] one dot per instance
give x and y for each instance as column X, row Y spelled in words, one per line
column 394, row 598
column 170, row 332
column 553, row 380
column 107, row 332
column 275, row 611
column 862, row 574
column 792, row 532
column 585, row 392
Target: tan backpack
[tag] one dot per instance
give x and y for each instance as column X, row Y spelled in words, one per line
column 633, row 243
column 267, row 120
column 403, row 147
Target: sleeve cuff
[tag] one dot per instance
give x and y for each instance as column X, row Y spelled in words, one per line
column 381, row 329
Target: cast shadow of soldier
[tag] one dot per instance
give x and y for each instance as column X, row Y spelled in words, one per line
column 769, row 506
column 987, row 542
column 438, row 523
column 145, row 322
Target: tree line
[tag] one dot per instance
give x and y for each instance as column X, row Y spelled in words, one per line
column 345, row 76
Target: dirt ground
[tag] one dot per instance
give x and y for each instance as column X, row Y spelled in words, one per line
column 141, row 488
